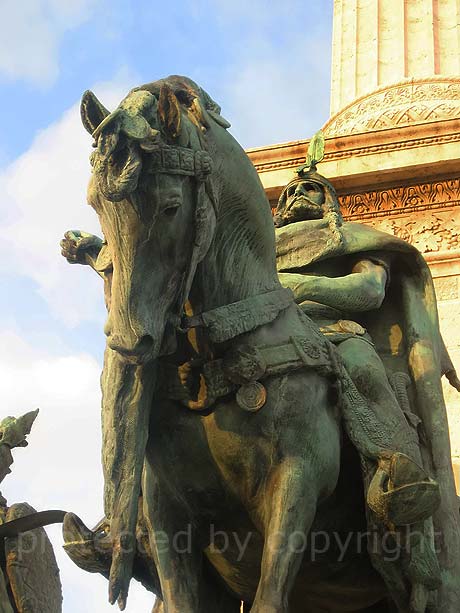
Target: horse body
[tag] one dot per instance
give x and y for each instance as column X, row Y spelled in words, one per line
column 237, row 476
column 266, row 474
column 260, row 465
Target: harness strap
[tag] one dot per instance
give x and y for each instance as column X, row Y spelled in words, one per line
column 218, row 378
column 230, row 320
column 38, row 519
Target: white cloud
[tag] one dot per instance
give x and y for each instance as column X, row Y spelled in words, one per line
column 30, row 35
column 43, row 194
column 66, row 389
column 61, row 466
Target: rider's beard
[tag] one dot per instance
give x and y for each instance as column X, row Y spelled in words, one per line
column 302, row 208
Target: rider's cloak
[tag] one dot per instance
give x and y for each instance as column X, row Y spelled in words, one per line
column 405, row 331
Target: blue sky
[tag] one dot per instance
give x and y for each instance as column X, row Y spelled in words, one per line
column 268, row 66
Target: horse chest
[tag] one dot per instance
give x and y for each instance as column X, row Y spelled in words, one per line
column 246, row 446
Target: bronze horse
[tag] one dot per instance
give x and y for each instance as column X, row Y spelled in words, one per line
column 250, row 490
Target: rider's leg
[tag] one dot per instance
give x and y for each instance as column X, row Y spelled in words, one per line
column 368, row 373
column 369, row 376
column 411, row 495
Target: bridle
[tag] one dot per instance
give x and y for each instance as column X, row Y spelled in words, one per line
column 175, row 160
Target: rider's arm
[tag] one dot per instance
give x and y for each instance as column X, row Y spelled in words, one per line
column 81, row 248
column 362, row 290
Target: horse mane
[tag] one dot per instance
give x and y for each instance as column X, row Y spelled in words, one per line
column 174, row 111
column 188, row 93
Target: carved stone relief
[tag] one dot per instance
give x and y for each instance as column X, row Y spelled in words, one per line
column 430, row 232
column 398, row 105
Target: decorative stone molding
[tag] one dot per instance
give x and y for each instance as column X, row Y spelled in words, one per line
column 401, row 200
column 280, row 165
column 394, row 146
column 406, row 103
column 330, row 156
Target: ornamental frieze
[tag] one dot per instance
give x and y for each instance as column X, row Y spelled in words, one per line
column 433, row 196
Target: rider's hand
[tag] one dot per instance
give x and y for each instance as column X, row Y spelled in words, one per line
column 80, row 247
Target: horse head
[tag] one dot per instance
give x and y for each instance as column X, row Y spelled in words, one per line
column 156, row 185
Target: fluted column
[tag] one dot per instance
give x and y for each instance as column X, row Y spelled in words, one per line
column 447, row 41
column 390, row 33
column 381, row 42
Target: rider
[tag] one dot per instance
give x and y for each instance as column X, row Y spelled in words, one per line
column 372, row 295
column 342, row 277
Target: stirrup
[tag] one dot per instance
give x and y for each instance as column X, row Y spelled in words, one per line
column 401, row 493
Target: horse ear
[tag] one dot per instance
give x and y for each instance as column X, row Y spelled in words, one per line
column 169, row 110
column 92, row 111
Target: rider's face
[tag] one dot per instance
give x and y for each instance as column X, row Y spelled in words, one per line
column 305, row 199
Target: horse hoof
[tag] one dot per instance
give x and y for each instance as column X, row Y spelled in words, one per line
column 89, row 550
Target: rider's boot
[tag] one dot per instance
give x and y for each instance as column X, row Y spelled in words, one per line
column 404, row 499
column 401, row 493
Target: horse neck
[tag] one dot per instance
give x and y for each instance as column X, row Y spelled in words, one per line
column 241, row 260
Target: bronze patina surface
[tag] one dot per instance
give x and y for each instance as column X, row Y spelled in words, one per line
column 230, row 411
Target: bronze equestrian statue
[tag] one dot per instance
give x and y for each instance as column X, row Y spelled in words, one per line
column 229, row 410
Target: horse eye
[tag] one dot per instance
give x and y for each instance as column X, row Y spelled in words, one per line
column 170, row 211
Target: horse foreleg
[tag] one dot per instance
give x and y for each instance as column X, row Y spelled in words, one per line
column 186, row 587
column 171, row 540
column 292, row 501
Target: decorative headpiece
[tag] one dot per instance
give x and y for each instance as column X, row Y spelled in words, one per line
column 150, row 120
column 315, row 154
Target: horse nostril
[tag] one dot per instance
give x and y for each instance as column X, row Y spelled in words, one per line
column 129, row 349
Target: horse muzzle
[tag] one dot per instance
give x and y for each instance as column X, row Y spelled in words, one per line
column 139, row 350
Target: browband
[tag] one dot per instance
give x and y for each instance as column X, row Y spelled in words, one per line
column 179, row 161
